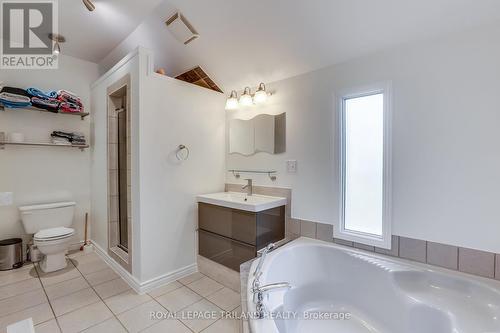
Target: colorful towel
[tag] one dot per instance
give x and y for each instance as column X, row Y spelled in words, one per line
column 51, row 104
column 11, row 100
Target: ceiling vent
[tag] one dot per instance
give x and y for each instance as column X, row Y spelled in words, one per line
column 181, row 29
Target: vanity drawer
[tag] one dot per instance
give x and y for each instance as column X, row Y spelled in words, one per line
column 225, row 251
column 236, row 224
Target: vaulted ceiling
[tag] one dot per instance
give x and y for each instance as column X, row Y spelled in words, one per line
column 244, row 42
column 92, row 35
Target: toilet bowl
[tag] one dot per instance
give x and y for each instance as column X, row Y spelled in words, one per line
column 53, row 244
column 50, row 226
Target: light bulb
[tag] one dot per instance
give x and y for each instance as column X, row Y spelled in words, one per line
column 232, row 101
column 246, row 98
column 57, row 48
column 260, row 95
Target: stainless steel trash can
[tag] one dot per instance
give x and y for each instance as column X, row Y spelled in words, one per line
column 11, row 253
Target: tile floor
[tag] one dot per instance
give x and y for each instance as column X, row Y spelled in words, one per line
column 89, row 297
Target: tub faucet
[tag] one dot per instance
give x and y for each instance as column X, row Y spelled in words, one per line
column 266, row 250
column 258, row 295
column 248, row 186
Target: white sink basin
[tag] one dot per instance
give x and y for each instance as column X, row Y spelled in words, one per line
column 242, row 201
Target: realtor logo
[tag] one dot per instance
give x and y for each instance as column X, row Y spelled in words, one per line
column 26, row 26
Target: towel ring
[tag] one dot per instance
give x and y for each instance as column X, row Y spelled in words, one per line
column 178, row 153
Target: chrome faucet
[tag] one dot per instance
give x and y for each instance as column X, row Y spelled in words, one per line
column 258, row 290
column 258, row 295
column 249, row 187
column 266, row 250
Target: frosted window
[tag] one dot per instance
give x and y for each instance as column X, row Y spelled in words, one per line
column 364, row 164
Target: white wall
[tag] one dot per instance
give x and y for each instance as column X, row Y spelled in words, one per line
column 173, row 113
column 446, row 182
column 46, row 174
column 165, row 113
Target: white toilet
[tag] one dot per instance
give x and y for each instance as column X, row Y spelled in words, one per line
column 50, row 225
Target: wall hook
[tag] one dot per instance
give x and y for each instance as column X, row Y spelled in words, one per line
column 178, row 154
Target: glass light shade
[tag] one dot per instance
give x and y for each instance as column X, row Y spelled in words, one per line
column 232, row 101
column 246, row 98
column 57, row 48
column 260, row 97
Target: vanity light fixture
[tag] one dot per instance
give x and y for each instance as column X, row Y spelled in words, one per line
column 57, row 40
column 260, row 95
column 232, row 101
column 246, row 98
column 89, row 4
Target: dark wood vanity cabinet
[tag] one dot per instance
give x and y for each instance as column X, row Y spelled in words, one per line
column 231, row 236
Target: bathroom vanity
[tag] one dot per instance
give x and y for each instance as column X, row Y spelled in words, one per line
column 232, row 227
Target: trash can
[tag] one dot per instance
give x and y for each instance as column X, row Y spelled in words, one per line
column 11, row 253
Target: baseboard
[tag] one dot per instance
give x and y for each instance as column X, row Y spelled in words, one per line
column 148, row 285
column 167, row 278
column 124, row 274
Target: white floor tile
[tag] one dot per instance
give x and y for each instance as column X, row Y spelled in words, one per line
column 74, row 301
column 66, row 287
column 88, row 266
column 111, row 325
column 21, row 302
column 139, row 318
column 48, row 327
column 17, row 275
column 226, row 299
column 205, row 286
column 178, row 299
column 38, row 313
column 191, row 278
column 125, row 301
column 20, row 287
column 83, row 318
column 165, row 289
column 68, row 273
column 224, row 326
column 111, row 288
column 101, row 276
column 211, row 312
column 168, row 325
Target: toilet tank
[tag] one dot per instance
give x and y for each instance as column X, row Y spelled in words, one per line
column 45, row 216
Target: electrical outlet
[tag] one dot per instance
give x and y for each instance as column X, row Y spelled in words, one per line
column 291, row 166
column 6, row 198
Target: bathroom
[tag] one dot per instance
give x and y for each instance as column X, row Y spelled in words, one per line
column 315, row 166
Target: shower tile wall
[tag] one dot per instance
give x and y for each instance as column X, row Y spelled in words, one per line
column 119, row 173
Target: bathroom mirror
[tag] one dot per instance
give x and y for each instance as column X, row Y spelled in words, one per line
column 263, row 133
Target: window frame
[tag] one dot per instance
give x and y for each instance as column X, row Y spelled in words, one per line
column 383, row 241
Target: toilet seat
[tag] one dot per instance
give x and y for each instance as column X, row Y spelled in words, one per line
column 53, row 234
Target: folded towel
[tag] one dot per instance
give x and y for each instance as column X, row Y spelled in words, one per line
column 38, row 93
column 70, row 107
column 67, row 96
column 14, row 90
column 11, row 100
column 74, row 138
column 51, row 104
column 60, row 141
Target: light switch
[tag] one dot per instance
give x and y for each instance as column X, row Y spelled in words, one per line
column 291, row 166
column 6, row 198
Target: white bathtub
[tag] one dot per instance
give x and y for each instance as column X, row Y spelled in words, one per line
column 380, row 294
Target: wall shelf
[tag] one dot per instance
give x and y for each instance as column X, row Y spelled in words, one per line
column 3, row 143
column 32, row 108
column 41, row 144
column 270, row 173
